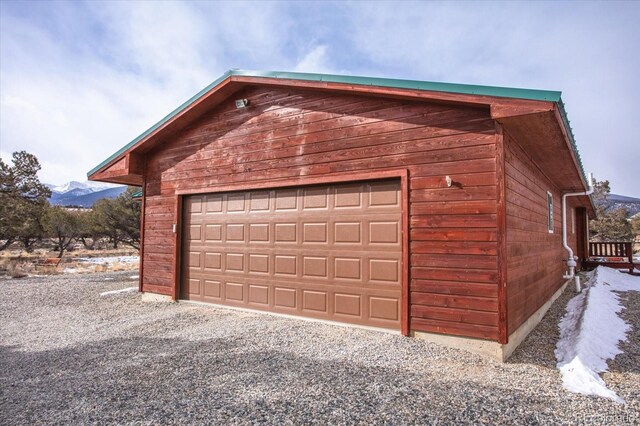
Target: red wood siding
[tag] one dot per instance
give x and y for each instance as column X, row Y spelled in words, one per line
column 294, row 134
column 535, row 257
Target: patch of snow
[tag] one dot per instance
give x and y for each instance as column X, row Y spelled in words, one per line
column 124, row 290
column 114, row 259
column 69, row 271
column 591, row 331
column 134, row 277
column 108, row 279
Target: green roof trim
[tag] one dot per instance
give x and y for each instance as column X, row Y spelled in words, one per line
column 430, row 86
column 465, row 89
column 572, row 139
column 137, row 194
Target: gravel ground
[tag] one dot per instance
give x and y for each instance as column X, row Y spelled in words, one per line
column 71, row 356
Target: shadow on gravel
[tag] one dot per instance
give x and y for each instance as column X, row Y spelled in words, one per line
column 538, row 348
column 222, row 381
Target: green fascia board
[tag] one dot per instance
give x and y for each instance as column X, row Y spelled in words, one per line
column 572, row 139
column 466, row 89
column 137, row 194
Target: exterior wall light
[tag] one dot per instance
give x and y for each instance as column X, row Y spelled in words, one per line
column 242, row 103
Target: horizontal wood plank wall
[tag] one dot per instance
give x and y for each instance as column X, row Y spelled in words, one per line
column 535, row 257
column 287, row 135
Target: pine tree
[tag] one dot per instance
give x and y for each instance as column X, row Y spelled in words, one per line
column 23, row 200
column 610, row 225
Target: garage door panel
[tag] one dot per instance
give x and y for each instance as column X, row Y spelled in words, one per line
column 234, row 263
column 234, row 232
column 348, row 197
column 258, row 294
column 213, row 203
column 213, row 261
column 213, row 232
column 383, row 194
column 234, row 291
column 259, row 201
column 348, row 304
column 348, row 268
column 285, row 298
column 332, row 252
column 286, row 200
column 195, row 232
column 234, row 203
column 315, row 301
column 212, row 290
column 383, row 308
column 315, row 267
column 315, row 198
column 194, row 204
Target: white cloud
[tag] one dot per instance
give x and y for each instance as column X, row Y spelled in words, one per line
column 315, row 61
column 79, row 80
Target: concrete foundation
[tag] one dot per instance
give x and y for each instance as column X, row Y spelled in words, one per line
column 495, row 350
column 155, row 297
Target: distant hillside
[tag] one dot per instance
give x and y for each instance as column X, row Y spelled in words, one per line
column 85, row 200
column 631, row 204
column 83, row 194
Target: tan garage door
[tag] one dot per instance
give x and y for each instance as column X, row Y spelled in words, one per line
column 332, row 252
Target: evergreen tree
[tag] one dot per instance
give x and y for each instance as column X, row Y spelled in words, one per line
column 62, row 226
column 610, row 225
column 118, row 219
column 23, row 199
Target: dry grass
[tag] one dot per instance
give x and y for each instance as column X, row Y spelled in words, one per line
column 90, row 268
column 18, row 264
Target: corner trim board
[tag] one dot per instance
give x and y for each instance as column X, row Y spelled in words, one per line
column 503, row 332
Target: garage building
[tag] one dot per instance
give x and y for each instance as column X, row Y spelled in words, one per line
column 432, row 209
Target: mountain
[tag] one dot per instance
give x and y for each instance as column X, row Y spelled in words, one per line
column 83, row 194
column 631, row 204
column 85, row 187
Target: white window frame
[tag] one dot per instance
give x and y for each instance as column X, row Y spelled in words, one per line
column 550, row 212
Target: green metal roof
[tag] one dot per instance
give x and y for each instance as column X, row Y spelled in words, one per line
column 467, row 89
column 137, row 194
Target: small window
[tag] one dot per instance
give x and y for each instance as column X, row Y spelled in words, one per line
column 549, row 212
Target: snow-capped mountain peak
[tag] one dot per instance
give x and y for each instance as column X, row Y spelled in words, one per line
column 69, row 186
column 81, row 187
column 83, row 194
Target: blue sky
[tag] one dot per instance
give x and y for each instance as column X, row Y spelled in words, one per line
column 80, row 79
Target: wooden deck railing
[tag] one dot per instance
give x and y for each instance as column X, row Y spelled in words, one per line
column 611, row 249
column 613, row 254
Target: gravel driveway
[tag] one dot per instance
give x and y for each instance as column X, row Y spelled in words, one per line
column 71, row 356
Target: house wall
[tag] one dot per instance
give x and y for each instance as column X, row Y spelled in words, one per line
column 535, row 257
column 291, row 134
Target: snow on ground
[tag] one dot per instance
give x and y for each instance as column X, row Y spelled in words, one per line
column 124, row 290
column 114, row 259
column 591, row 331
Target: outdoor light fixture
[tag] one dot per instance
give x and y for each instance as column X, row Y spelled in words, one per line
column 241, row 103
column 449, row 181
